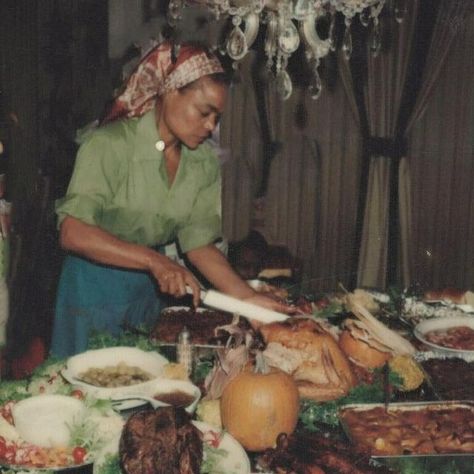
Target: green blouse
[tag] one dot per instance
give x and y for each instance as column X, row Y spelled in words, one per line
column 120, row 184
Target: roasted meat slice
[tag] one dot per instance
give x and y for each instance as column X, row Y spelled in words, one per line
column 161, row 441
column 311, row 453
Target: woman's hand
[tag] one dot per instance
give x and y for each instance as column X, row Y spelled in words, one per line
column 173, row 278
column 215, row 267
column 268, row 302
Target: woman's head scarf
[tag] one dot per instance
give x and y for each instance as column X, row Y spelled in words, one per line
column 159, row 72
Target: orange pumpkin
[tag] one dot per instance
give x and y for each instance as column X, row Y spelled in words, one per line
column 256, row 407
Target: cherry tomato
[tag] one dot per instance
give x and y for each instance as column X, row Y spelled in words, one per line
column 214, row 439
column 6, row 412
column 79, row 394
column 322, row 303
column 303, row 305
column 10, row 453
column 78, row 454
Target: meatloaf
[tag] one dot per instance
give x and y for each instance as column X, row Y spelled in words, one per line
column 201, row 324
column 161, row 441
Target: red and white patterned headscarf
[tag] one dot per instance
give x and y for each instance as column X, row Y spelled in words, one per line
column 157, row 74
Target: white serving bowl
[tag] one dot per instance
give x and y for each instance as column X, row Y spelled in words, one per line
column 44, row 420
column 435, row 324
column 150, row 362
column 160, row 386
column 236, row 459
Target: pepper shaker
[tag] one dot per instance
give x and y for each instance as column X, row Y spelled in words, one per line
column 185, row 350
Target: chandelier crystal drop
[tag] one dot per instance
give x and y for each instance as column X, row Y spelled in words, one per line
column 290, row 23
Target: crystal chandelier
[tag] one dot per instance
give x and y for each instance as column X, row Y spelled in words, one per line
column 288, row 23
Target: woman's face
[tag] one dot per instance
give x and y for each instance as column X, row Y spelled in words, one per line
column 191, row 114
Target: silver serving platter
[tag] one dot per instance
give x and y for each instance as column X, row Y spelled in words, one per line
column 73, row 469
column 201, row 348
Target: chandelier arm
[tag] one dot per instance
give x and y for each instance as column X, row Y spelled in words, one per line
column 269, row 147
column 319, row 47
column 252, row 25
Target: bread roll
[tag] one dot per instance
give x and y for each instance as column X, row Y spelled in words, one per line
column 454, row 295
column 361, row 352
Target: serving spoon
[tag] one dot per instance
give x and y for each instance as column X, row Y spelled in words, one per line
column 152, row 401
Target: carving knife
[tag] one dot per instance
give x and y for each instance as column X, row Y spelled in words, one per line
column 215, row 299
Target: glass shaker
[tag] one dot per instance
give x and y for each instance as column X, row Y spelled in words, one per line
column 185, row 350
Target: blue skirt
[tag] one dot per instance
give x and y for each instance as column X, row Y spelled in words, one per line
column 93, row 297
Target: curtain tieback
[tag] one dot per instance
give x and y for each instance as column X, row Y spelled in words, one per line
column 386, row 147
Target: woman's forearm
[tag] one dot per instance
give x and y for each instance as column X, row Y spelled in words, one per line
column 99, row 245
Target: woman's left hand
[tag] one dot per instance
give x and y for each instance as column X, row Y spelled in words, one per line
column 269, row 302
column 215, row 267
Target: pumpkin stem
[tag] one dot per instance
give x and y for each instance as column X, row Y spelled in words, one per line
column 261, row 366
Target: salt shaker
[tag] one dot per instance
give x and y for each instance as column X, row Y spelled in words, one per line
column 185, row 350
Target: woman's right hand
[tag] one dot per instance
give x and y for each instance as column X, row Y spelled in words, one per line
column 173, row 278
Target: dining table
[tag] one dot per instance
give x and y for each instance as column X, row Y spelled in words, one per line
column 319, row 431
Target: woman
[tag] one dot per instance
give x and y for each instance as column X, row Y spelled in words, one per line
column 139, row 183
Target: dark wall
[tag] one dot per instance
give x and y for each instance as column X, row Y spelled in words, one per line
column 54, row 76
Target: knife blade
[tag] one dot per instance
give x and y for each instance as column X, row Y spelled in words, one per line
column 217, row 300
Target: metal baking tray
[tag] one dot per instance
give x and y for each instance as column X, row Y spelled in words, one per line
column 438, row 390
column 409, row 405
column 200, row 351
column 435, row 463
column 154, row 341
column 428, row 464
column 427, row 355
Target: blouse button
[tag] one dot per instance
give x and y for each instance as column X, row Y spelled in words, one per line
column 160, row 145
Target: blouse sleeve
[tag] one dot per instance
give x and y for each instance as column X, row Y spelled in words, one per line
column 95, row 176
column 204, row 225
